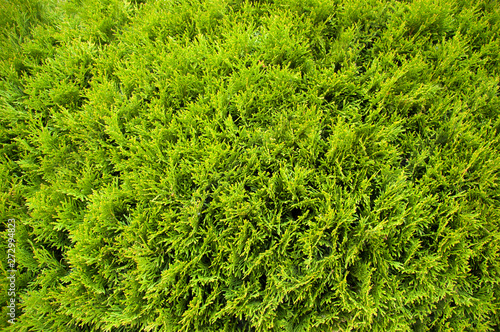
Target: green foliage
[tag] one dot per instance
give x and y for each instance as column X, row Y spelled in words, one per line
column 251, row 165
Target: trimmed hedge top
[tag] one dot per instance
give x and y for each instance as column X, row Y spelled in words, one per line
column 252, row 166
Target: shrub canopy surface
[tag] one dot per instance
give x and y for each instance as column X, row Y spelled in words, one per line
column 251, row 165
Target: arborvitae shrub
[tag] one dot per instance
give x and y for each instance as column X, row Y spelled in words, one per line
column 251, row 165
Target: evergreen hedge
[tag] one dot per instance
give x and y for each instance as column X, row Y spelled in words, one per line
column 251, row 165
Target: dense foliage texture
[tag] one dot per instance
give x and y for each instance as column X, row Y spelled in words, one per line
column 251, row 166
